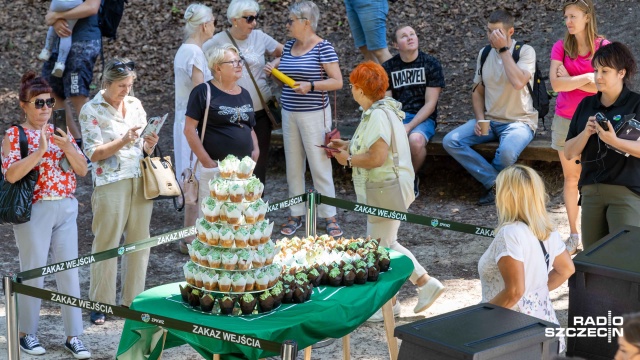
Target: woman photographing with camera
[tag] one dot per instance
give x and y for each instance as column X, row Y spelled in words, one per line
column 610, row 181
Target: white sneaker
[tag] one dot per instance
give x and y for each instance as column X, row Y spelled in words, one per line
column 30, row 344
column 76, row 347
column 377, row 317
column 573, row 244
column 58, row 69
column 427, row 294
column 44, row 55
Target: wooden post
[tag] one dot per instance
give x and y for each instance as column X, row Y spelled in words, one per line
column 164, row 338
column 346, row 348
column 216, row 356
column 389, row 326
column 307, row 353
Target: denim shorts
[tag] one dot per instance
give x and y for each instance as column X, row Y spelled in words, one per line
column 78, row 72
column 368, row 22
column 426, row 128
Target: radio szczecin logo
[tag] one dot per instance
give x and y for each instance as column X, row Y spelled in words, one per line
column 599, row 327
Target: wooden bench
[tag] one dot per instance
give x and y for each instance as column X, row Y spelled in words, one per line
column 539, row 149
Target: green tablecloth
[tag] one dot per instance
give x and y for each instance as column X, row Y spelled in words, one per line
column 331, row 313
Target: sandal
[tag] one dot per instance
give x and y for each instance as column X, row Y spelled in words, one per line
column 97, row 318
column 291, row 226
column 333, row 228
column 182, row 247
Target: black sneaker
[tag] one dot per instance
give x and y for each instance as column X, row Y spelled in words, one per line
column 489, row 198
column 416, row 186
column 30, row 344
column 76, row 348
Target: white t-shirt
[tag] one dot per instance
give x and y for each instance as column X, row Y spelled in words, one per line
column 187, row 57
column 253, row 49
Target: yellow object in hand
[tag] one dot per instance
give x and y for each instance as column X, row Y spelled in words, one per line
column 282, row 77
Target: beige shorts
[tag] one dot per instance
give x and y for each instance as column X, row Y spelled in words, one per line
column 559, row 131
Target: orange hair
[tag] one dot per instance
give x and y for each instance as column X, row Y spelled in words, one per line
column 371, row 78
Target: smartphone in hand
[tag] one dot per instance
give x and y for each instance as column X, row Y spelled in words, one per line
column 328, row 148
column 602, row 121
column 60, row 120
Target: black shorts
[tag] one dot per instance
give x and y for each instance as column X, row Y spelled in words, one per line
column 78, row 72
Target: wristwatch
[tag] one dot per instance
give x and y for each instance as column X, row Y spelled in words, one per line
column 503, row 49
column 312, row 85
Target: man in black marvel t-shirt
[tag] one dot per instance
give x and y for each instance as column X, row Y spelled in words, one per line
column 415, row 80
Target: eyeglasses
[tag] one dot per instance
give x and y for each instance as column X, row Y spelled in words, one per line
column 234, row 63
column 251, row 18
column 124, row 67
column 290, row 21
column 39, row 103
column 570, row 2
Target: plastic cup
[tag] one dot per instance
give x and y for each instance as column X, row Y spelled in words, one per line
column 484, row 127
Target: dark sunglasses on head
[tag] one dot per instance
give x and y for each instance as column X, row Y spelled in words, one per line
column 123, row 67
column 39, row 103
column 251, row 18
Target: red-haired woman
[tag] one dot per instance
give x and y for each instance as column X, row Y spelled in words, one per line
column 368, row 153
column 53, row 216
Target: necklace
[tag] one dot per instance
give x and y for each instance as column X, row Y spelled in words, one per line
column 219, row 86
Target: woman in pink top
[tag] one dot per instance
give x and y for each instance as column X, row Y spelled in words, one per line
column 571, row 76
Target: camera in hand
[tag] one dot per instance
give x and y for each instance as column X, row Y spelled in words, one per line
column 602, row 121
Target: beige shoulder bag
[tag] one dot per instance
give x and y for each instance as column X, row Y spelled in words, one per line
column 189, row 180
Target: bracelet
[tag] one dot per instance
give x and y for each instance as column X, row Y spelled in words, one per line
column 349, row 160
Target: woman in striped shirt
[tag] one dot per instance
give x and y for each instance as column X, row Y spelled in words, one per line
column 306, row 115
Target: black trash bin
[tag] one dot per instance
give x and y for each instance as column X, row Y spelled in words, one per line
column 481, row 331
column 606, row 285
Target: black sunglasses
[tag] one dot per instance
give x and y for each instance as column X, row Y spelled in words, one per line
column 39, row 103
column 123, row 67
column 251, row 18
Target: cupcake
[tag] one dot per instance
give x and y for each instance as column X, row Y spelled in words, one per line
column 192, row 252
column 258, row 259
column 251, row 213
column 314, row 277
column 254, row 236
column 236, row 192
column 266, row 229
column 288, row 294
column 247, row 304
column 228, row 167
column 299, row 294
column 253, row 190
column 194, row 298
column 206, row 303
column 241, row 237
column 244, row 258
column 224, row 282
column 251, row 281
column 266, row 302
column 211, row 209
column 211, row 280
column 335, row 277
column 226, row 237
column 270, row 252
column 278, row 294
column 227, row 303
column 288, row 280
column 349, row 275
column 197, row 275
column 222, row 190
column 233, row 212
column 229, row 260
column 361, row 276
column 262, row 280
column 212, row 187
column 202, row 256
column 215, row 258
column 238, row 282
column 184, row 292
column 188, row 273
column 262, row 209
column 274, row 276
column 200, row 229
column 245, row 168
column 213, row 235
column 384, row 261
column 373, row 272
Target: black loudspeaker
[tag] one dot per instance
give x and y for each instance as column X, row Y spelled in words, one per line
column 606, row 286
column 481, row 331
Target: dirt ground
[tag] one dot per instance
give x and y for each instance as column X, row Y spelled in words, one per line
column 447, row 191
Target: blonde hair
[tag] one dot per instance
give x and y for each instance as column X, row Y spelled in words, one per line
column 521, row 196
column 215, row 55
column 570, row 41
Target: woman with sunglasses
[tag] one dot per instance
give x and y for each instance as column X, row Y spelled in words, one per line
column 230, row 119
column 306, row 114
column 571, row 76
column 253, row 46
column 190, row 69
column 53, row 216
column 610, row 180
column 110, row 123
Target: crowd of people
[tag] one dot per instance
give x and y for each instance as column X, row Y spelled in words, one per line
column 222, row 84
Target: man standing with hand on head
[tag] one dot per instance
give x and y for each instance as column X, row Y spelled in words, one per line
column 415, row 80
column 499, row 95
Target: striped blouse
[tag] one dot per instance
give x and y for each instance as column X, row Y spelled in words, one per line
column 306, row 68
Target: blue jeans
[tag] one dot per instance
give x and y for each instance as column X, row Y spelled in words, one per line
column 368, row 22
column 513, row 138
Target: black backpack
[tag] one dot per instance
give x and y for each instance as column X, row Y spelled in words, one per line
column 109, row 17
column 539, row 92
